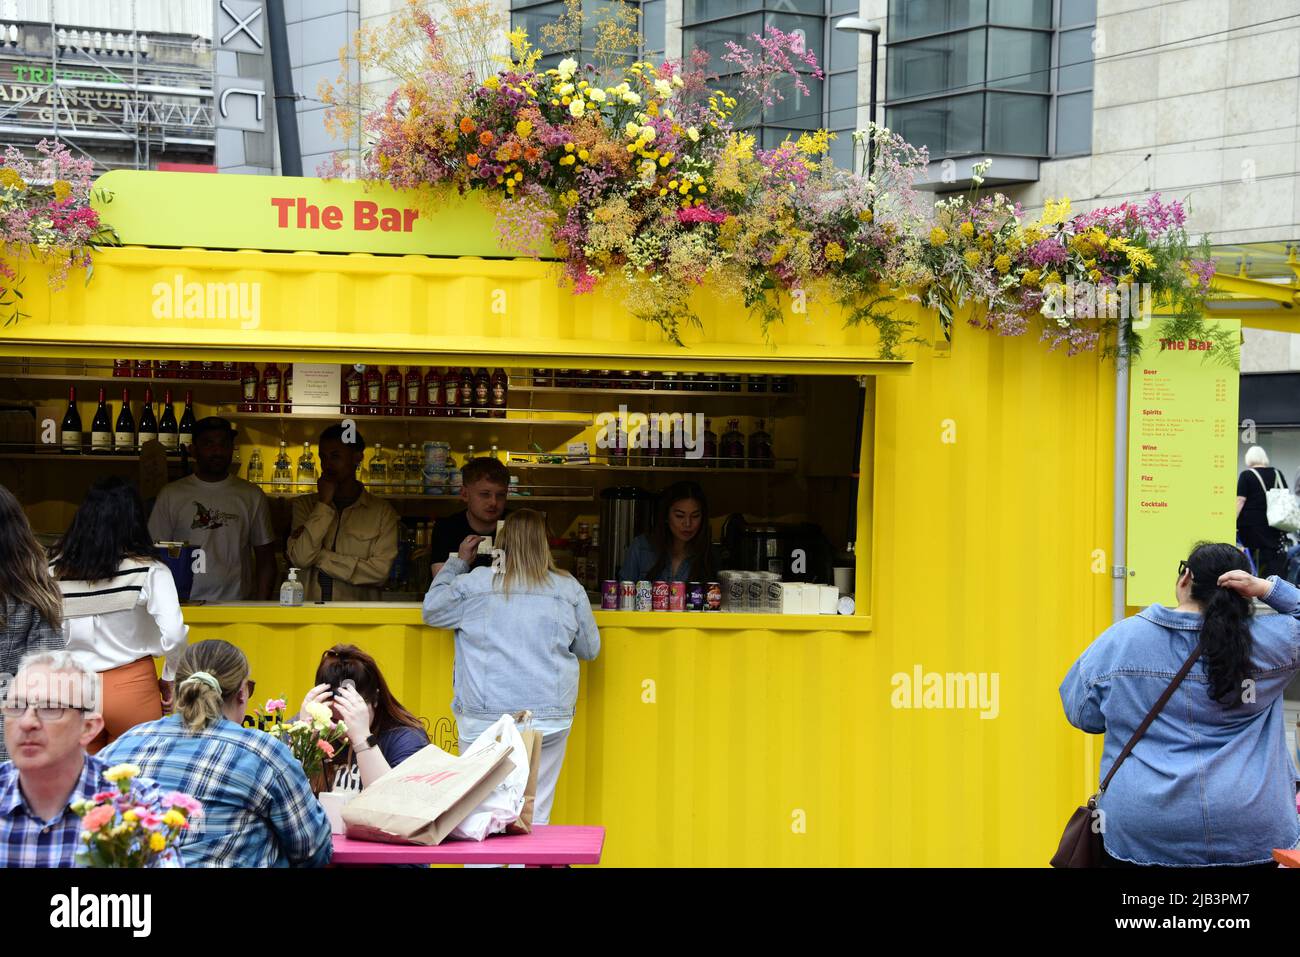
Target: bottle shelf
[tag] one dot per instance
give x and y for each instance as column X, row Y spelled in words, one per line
column 554, row 494
column 657, row 393
column 575, row 424
column 57, row 456
column 711, row 466
column 110, row 379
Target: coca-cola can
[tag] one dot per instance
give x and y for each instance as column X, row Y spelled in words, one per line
column 627, row 596
column 660, row 596
column 609, row 594
column 644, row 595
column 737, row 593
column 695, row 596
column 756, row 599
column 713, row 596
column 677, row 596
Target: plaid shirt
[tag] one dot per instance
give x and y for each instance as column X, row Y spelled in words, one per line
column 258, row 809
column 27, row 841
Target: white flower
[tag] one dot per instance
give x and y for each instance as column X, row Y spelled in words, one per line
column 567, row 66
column 632, row 129
column 663, row 88
column 577, row 107
column 620, row 89
column 693, row 133
column 648, row 133
column 319, row 712
column 632, row 98
column 677, row 82
column 564, row 89
column 596, row 94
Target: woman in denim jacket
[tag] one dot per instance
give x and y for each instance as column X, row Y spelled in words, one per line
column 521, row 627
column 1211, row 781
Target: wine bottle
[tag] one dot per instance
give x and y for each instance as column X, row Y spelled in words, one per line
column 351, row 390
column 124, row 433
column 500, row 393
column 101, row 428
column 287, row 385
column 71, row 440
column 271, row 389
column 187, row 423
column 393, row 391
column 466, row 404
column 249, row 382
column 374, row 390
column 482, row 394
column 450, row 393
column 168, row 432
column 414, row 389
column 148, row 424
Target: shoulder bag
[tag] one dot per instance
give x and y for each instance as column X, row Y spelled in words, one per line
column 1081, row 843
column 1283, row 509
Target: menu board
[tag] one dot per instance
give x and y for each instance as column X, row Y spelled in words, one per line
column 1182, row 457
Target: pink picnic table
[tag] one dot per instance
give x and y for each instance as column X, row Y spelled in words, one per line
column 553, row 845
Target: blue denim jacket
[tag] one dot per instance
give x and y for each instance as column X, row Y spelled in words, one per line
column 513, row 652
column 1206, row 784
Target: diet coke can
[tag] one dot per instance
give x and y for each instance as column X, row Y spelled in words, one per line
column 677, row 596
column 695, row 596
column 713, row 596
column 626, row 596
column 609, row 594
column 660, row 597
column 644, row 595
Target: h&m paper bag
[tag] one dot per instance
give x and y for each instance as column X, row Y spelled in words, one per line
column 533, row 748
column 422, row 799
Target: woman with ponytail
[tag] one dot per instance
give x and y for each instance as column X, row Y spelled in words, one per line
column 258, row 809
column 1210, row 783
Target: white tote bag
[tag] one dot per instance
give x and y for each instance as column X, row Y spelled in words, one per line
column 502, row 806
column 1283, row 509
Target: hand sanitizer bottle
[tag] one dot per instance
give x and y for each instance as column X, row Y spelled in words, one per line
column 291, row 591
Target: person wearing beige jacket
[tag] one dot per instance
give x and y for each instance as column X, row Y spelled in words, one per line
column 344, row 539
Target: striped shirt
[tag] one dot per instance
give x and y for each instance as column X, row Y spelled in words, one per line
column 258, row 809
column 28, row 841
column 24, row 631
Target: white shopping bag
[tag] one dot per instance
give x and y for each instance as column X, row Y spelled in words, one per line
column 503, row 804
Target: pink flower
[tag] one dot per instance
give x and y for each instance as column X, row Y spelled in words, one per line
column 701, row 214
column 184, row 802
column 326, row 747
column 274, row 705
column 98, row 817
column 104, row 796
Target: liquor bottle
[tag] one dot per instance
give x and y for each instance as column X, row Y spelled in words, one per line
column 229, row 371
column 669, row 381
column 164, row 369
column 287, row 386
column 500, row 393
column 184, row 369
column 730, row 382
column 645, row 380
column 689, row 382
column 415, row 390
column 393, row 391
column 208, row 370
column 168, row 432
column 271, row 389
column 564, row 378
column 469, row 454
column 710, row 445
column 351, row 390
column 143, row 369
column 248, row 381
column 148, row 424
column 494, row 455
column 397, row 472
column 585, row 379
column 604, row 379
column 255, row 468
column 450, row 392
column 626, row 380
column 466, row 405
column 234, row 469
column 124, row 432
column 782, row 383
column 374, row 390
column 121, row 368
column 187, row 423
column 732, row 450
column 101, row 428
column 760, row 448
column 709, row 382
column 378, row 467
column 414, row 470
column 282, row 475
column 305, row 477
column 758, row 383
column 543, row 378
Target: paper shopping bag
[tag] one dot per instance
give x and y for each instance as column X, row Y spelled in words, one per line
column 422, row 799
column 533, row 749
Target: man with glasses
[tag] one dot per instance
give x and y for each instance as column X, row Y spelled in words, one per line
column 51, row 712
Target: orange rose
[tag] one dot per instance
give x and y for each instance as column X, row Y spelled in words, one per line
column 472, row 159
column 531, row 153
column 467, row 125
column 486, row 138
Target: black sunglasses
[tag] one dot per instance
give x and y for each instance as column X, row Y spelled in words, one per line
column 1182, row 567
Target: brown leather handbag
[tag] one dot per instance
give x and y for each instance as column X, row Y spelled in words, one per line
column 1081, row 843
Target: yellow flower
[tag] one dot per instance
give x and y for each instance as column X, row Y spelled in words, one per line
column 10, row 179
column 157, row 842
column 1031, row 277
column 938, row 236
column 584, row 155
column 1094, row 275
column 1053, row 279
column 130, row 816
column 567, row 160
column 577, row 108
column 122, row 772
column 492, row 82
column 523, row 129
column 967, row 230
column 652, row 108
column 173, row 818
column 972, row 258
column 1056, row 212
column 779, row 253
column 866, row 216
column 834, row 253
column 62, row 189
column 986, row 241
column 1002, row 263
column 702, row 188
column 693, row 133
column 663, row 192
column 319, row 712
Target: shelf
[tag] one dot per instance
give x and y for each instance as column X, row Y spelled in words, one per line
column 361, row 420
column 123, row 380
column 412, row 497
column 656, row 393
column 603, row 467
column 83, row 457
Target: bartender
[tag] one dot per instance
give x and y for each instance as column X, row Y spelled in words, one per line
column 678, row 547
column 344, row 539
column 485, row 484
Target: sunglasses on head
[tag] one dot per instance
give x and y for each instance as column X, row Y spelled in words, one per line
column 1182, row 567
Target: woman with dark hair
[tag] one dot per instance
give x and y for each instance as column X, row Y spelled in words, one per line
column 1210, row 782
column 119, row 605
column 33, row 607
column 678, row 547
column 381, row 733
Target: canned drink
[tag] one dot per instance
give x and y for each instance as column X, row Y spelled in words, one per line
column 609, row 594
column 695, row 596
column 644, row 595
column 773, row 603
column 677, row 596
column 756, row 593
column 713, row 596
column 627, row 596
column 660, row 596
column 734, row 599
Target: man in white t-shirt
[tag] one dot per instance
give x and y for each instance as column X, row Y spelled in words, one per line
column 222, row 514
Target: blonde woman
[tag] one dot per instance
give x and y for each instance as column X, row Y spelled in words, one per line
column 521, row 628
column 258, row 809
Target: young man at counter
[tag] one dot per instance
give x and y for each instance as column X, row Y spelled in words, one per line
column 224, row 516
column 485, row 485
column 344, row 539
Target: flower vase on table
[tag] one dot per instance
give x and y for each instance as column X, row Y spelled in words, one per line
column 313, row 738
